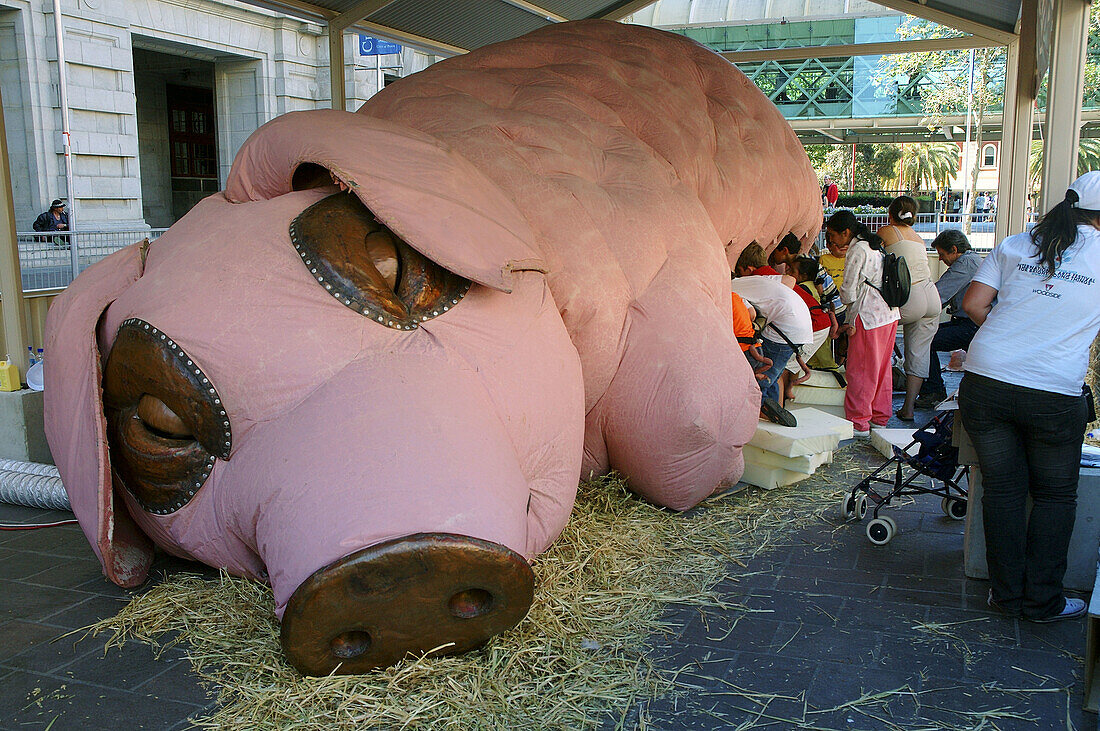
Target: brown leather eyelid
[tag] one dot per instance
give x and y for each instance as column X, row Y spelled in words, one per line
column 357, row 260
column 162, row 462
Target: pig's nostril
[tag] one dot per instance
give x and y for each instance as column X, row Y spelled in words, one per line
column 350, row 645
column 470, row 603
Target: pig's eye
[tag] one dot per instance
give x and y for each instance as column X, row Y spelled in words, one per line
column 368, row 268
column 166, row 423
column 159, row 419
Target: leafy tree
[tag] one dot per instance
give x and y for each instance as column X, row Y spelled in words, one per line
column 950, row 81
column 817, row 153
column 1088, row 158
column 875, row 165
column 928, row 164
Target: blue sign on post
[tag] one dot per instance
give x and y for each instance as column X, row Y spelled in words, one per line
column 369, row 46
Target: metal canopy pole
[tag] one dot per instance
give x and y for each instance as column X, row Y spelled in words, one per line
column 11, row 281
column 336, row 28
column 1020, row 88
column 336, row 67
column 1064, row 97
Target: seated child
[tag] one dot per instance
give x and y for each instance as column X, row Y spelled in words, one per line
column 822, row 319
column 832, row 265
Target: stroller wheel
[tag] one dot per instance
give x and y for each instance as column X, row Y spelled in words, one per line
column 861, row 507
column 847, row 507
column 881, row 531
column 953, row 507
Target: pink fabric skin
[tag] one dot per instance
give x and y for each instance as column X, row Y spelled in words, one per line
column 869, row 398
column 345, row 433
column 642, row 161
column 73, row 414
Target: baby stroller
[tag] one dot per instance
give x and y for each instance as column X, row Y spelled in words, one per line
column 936, row 459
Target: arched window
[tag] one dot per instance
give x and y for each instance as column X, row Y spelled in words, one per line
column 989, row 156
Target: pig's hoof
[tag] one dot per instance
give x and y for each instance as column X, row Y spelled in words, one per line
column 409, row 595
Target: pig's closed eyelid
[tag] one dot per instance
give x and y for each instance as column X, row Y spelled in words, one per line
column 145, row 360
column 368, row 269
column 167, row 424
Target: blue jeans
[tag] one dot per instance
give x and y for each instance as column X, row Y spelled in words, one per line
column 779, row 353
column 1028, row 443
column 952, row 335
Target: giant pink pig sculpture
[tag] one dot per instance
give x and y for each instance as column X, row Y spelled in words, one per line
column 374, row 400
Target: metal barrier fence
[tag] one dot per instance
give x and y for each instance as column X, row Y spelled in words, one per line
column 51, row 260
column 929, row 225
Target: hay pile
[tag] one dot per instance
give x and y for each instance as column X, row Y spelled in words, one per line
column 577, row 659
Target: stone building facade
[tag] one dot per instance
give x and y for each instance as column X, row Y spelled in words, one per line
column 161, row 95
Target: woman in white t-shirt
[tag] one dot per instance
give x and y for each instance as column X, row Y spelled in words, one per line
column 1021, row 398
column 871, row 323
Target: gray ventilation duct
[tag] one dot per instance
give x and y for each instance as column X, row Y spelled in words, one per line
column 33, row 485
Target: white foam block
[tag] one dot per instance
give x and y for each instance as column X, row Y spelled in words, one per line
column 884, row 440
column 837, row 411
column 770, row 478
column 822, row 379
column 794, row 441
column 818, row 416
column 805, row 464
column 813, row 395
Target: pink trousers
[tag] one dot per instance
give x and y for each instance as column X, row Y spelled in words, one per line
column 870, row 395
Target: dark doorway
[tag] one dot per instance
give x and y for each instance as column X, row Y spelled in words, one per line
column 177, row 132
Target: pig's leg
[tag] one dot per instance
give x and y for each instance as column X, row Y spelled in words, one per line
column 683, row 401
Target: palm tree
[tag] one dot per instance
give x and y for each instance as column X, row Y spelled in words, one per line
column 929, row 164
column 1088, row 158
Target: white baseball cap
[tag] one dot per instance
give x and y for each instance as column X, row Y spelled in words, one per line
column 1087, row 189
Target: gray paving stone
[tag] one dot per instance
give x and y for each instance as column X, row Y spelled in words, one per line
column 38, row 701
column 26, row 601
column 51, row 655
column 90, row 610
column 66, row 572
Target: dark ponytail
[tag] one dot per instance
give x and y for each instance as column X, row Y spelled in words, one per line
column 845, row 220
column 1057, row 230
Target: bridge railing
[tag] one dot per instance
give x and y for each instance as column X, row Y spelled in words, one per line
column 52, row 259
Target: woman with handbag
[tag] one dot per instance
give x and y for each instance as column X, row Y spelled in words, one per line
column 920, row 314
column 1036, row 298
column 871, row 324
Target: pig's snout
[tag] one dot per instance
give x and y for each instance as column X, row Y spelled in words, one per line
column 410, row 595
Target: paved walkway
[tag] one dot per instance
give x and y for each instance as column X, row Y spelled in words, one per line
column 828, row 619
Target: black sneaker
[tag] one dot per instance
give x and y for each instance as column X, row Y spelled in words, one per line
column 776, row 414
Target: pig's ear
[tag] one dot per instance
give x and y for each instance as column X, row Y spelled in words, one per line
column 76, row 428
column 426, row 193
